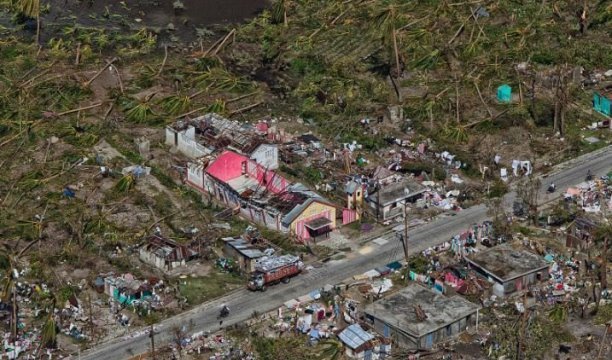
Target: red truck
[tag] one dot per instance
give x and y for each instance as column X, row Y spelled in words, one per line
column 274, row 269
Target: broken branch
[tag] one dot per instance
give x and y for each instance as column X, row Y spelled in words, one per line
column 233, row 32
column 108, row 63
column 161, row 68
column 246, row 108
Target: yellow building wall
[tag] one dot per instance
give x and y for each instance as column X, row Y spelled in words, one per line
column 314, row 209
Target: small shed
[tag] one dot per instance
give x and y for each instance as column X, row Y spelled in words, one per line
column 504, row 93
column 243, row 252
column 602, row 103
column 358, row 342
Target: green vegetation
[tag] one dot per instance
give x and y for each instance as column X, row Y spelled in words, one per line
column 201, row 289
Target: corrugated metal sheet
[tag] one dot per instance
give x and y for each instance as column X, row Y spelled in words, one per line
column 348, row 216
column 268, row 263
column 354, row 336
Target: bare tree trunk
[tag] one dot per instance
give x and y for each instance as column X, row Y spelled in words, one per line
column 38, row 27
column 285, row 21
column 14, row 313
column 604, row 277
column 397, row 60
column 457, row 100
column 556, row 114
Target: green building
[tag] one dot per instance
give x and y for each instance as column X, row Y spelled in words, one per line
column 601, row 103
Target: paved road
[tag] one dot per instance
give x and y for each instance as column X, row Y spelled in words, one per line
column 243, row 303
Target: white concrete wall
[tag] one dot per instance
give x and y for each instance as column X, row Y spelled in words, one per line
column 195, row 174
column 170, row 134
column 267, row 156
column 188, row 145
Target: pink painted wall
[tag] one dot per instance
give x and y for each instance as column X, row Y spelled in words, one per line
column 227, row 166
column 302, row 230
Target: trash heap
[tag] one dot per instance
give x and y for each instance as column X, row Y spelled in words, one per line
column 592, row 195
column 218, row 346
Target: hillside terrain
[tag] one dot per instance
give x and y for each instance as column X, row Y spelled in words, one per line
column 82, row 89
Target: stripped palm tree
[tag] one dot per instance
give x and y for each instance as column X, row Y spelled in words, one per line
column 279, row 12
column 388, row 22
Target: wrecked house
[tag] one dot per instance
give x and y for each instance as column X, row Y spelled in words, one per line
column 211, row 133
column 580, row 233
column 243, row 252
column 264, row 196
column 165, row 254
column 127, row 290
column 387, row 202
column 508, row 269
column 418, row 318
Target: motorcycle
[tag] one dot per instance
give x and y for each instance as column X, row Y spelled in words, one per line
column 224, row 313
column 589, row 176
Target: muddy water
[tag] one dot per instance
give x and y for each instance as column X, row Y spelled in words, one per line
column 152, row 13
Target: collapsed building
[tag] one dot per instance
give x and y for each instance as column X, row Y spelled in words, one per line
column 235, row 163
column 384, row 192
column 211, row 133
column 264, row 196
column 165, row 254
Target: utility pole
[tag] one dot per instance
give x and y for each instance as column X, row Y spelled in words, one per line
column 406, row 230
column 152, row 336
column 403, row 237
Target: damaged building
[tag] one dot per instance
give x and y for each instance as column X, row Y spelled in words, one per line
column 387, row 201
column 264, row 196
column 212, row 133
column 165, row 254
column 243, row 252
column 418, row 318
column 580, row 233
column 508, row 269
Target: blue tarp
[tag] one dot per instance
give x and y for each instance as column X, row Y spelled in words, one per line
column 69, row 193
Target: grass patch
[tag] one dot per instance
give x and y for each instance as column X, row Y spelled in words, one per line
column 199, row 290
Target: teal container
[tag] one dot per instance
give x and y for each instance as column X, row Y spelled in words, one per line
column 504, row 93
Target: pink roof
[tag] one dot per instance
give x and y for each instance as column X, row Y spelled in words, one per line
column 262, row 126
column 227, row 166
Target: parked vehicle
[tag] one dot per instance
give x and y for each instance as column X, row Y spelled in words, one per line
column 272, row 270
